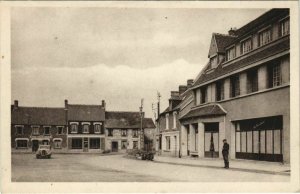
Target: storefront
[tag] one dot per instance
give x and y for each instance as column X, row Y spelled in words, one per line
column 259, row 139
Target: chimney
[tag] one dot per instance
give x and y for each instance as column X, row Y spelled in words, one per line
column 66, row 104
column 232, row 32
column 103, row 103
column 190, row 83
column 174, row 94
column 16, row 104
column 182, row 88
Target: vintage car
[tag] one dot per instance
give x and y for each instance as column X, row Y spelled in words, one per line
column 44, row 151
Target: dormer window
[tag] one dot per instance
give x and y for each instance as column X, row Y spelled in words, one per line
column 285, row 27
column 214, row 61
column 230, row 53
column 265, row 37
column 246, row 46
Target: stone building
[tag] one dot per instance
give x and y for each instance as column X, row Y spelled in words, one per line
column 243, row 94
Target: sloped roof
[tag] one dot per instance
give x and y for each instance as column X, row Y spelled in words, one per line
column 222, row 41
column 276, row 48
column 205, row 111
column 38, row 116
column 86, row 112
column 121, row 120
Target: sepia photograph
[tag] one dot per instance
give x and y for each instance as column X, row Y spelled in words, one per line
column 150, row 94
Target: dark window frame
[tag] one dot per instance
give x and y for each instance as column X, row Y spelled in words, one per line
column 235, row 86
column 252, row 80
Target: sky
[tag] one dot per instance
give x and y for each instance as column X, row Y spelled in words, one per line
column 120, row 55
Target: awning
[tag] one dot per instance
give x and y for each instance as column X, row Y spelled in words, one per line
column 204, row 111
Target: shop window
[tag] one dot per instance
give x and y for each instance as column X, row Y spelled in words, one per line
column 124, row 132
column 124, row 144
column 22, row 144
column 246, row 46
column 76, row 143
column 46, row 130
column 256, row 142
column 135, row 144
column 35, row 130
column 230, row 53
column 235, row 86
column 277, row 141
column 97, row 128
column 86, row 128
column 19, row 130
column 274, row 75
column 57, row 144
column 94, row 143
column 74, row 128
column 265, row 37
column 60, row 130
column 168, row 143
column 285, row 27
column 252, row 81
column 220, row 90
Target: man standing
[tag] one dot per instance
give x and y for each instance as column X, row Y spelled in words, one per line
column 225, row 152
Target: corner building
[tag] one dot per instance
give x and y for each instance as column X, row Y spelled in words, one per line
column 243, row 94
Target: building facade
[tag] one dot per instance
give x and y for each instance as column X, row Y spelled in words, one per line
column 243, row 94
column 77, row 128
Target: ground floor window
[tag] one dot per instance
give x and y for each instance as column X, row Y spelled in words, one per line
column 124, row 144
column 94, row 143
column 22, row 144
column 259, row 139
column 168, row 143
column 57, row 144
column 76, row 143
column 135, row 144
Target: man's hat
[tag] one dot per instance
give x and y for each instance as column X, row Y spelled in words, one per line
column 224, row 140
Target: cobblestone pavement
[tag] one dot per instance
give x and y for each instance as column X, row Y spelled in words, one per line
column 117, row 168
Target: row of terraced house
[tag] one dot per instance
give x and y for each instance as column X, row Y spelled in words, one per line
column 78, row 128
column 242, row 95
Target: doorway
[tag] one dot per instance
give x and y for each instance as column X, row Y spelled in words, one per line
column 85, row 144
column 114, row 146
column 211, row 140
column 35, row 145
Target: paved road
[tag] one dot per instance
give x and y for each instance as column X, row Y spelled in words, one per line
column 117, row 168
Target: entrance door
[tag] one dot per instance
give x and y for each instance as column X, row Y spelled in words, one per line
column 35, row 145
column 211, row 140
column 114, row 146
column 85, row 144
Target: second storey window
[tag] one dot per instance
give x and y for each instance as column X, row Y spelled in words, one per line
column 135, row 133
column 46, row 130
column 174, row 119
column 235, row 86
column 167, row 121
column 230, row 53
column 274, row 75
column 19, row 130
column 252, row 81
column 284, row 27
column 35, row 130
column 246, row 46
column 74, row 128
column 86, row 128
column 97, row 128
column 110, row 132
column 220, row 90
column 124, row 132
column 60, row 130
column 203, row 92
column 265, row 37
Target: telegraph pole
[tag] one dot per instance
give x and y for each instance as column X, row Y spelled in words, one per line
column 142, row 130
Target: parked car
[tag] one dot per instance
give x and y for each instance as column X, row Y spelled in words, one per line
column 44, row 151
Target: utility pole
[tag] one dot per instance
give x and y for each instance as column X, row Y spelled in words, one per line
column 142, row 130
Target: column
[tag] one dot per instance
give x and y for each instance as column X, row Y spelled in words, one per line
column 201, row 140
column 243, row 83
column 183, row 143
column 262, row 77
column 227, row 88
column 232, row 142
column 192, row 137
column 221, row 137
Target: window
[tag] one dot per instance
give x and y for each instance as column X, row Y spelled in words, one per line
column 19, row 130
column 35, row 130
column 167, row 121
column 124, row 132
column 285, row 27
column 274, row 75
column 46, row 130
column 174, row 120
column 252, row 81
column 110, row 132
column 97, row 128
column 135, row 144
column 74, row 128
column 230, row 53
column 22, row 143
column 135, row 133
column 60, row 130
column 246, row 46
column 86, row 128
column 265, row 37
column 203, row 94
column 235, row 85
column 76, row 143
column 94, row 143
column 124, row 144
column 168, row 143
column 57, row 144
column 220, row 90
